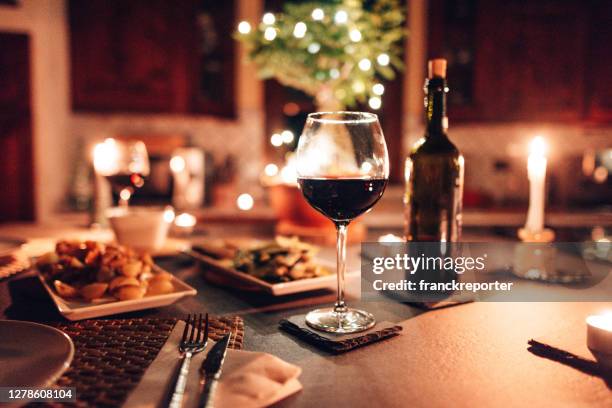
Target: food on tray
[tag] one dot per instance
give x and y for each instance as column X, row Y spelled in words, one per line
column 281, row 260
column 92, row 270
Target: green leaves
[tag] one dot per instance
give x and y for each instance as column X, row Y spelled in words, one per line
column 328, row 52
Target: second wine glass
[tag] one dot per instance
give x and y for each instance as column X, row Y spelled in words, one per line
column 125, row 163
column 343, row 168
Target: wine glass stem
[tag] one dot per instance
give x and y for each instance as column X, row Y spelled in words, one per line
column 341, row 228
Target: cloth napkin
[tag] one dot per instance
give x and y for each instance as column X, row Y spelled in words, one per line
column 13, row 263
column 338, row 343
column 248, row 380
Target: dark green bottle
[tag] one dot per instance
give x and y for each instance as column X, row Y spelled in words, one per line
column 434, row 171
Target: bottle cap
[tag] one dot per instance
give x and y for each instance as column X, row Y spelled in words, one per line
column 437, row 68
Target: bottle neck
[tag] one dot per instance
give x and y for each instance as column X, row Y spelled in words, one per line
column 435, row 107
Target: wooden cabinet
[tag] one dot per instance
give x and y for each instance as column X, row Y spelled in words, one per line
column 151, row 56
column 517, row 60
column 598, row 83
column 17, row 186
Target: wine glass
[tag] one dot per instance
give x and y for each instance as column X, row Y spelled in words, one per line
column 343, row 169
column 124, row 163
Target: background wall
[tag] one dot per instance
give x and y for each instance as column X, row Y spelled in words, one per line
column 56, row 129
column 45, row 22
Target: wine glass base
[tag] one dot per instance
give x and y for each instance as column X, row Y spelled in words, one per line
column 351, row 321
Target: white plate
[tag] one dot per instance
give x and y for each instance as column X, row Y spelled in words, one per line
column 79, row 310
column 32, row 354
column 275, row 289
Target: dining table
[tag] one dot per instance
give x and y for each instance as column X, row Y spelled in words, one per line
column 472, row 354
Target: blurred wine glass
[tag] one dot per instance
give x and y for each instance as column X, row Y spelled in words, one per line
column 124, row 163
column 343, row 169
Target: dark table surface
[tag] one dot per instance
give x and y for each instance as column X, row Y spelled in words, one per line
column 467, row 355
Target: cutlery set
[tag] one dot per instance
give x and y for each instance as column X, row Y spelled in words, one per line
column 193, row 341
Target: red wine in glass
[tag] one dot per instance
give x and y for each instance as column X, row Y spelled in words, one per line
column 126, row 180
column 342, row 199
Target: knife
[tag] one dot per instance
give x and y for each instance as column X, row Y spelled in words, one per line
column 210, row 371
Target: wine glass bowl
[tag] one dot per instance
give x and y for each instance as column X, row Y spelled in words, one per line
column 343, row 168
column 124, row 163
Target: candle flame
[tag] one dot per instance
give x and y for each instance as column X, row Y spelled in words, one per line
column 390, row 238
column 538, row 147
column 185, row 220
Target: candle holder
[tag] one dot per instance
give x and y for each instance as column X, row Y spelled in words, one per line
column 535, row 258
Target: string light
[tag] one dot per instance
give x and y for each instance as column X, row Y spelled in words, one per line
column 318, row 14
column 125, row 194
column 299, row 31
column 365, row 64
column 366, row 167
column 287, row 136
column 244, row 27
column 375, row 102
column 270, row 33
column 177, row 164
column 341, row 17
column 355, row 35
column 268, row 19
column 168, row 214
column 358, row 87
column 383, row 59
column 276, row 140
column 271, row 170
column 334, row 73
column 245, row 201
column 378, row 89
column 313, row 48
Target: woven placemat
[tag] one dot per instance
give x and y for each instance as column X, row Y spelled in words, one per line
column 112, row 355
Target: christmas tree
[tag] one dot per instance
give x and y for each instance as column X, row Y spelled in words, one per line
column 336, row 51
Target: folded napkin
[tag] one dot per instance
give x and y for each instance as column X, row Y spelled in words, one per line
column 338, row 343
column 248, row 380
column 13, row 263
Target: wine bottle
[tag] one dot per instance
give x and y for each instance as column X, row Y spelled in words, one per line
column 434, row 171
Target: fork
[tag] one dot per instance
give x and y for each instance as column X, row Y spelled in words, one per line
column 192, row 342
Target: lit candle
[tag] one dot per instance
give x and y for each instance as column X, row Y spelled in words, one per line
column 599, row 337
column 390, row 238
column 184, row 223
column 245, row 202
column 536, row 169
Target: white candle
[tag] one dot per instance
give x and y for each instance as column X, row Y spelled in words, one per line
column 536, row 169
column 599, row 338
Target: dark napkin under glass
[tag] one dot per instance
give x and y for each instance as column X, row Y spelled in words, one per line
column 338, row 343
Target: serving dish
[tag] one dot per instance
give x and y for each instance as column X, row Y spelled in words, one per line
column 88, row 279
column 77, row 309
column 220, row 273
